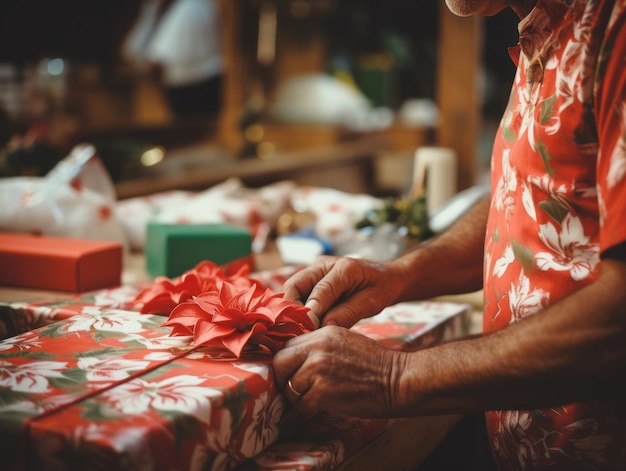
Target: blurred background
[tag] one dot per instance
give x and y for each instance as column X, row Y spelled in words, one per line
column 337, row 93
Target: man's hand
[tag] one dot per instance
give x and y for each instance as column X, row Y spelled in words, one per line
column 342, row 291
column 333, row 370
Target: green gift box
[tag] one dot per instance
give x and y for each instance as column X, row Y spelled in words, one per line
column 172, row 249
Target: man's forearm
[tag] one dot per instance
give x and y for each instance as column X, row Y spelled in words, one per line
column 575, row 350
column 450, row 263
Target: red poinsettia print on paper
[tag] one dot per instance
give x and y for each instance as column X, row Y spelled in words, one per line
column 237, row 317
column 165, row 294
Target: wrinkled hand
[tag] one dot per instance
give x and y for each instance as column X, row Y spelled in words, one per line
column 341, row 291
column 333, row 370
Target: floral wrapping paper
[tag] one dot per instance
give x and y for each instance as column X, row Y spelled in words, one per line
column 111, row 389
column 20, row 317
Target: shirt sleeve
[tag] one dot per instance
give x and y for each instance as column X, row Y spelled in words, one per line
column 610, row 112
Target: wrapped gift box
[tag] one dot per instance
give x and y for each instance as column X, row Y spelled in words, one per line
column 19, row 317
column 110, row 389
column 58, row 263
column 172, row 249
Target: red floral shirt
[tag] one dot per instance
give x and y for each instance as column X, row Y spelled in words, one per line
column 558, row 202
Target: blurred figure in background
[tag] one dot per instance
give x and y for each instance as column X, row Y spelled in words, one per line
column 179, row 41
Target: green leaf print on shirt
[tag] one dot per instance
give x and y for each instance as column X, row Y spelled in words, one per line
column 547, row 108
column 546, row 157
column 554, row 209
column 509, row 135
column 523, row 255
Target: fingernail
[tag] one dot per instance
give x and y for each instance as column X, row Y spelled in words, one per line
column 314, row 319
column 313, row 306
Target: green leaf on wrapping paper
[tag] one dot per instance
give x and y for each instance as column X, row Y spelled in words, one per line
column 11, row 421
column 161, row 371
column 99, row 412
column 54, row 330
column 235, row 404
column 9, row 397
column 99, row 336
column 546, row 109
column 523, row 255
column 26, row 354
column 101, row 352
column 554, row 209
column 71, row 377
column 152, row 322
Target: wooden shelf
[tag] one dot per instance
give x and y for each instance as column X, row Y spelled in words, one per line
column 202, row 167
column 308, row 155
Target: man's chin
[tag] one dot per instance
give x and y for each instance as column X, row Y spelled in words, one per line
column 475, row 7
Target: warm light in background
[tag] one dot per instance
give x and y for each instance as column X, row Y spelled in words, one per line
column 152, row 156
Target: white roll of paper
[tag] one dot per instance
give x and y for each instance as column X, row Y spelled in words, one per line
column 435, row 175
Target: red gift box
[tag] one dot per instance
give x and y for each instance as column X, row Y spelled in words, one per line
column 56, row 263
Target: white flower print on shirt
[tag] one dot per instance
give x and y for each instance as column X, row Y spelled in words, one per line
column 499, row 268
column 601, row 208
column 504, row 195
column 527, row 112
column 487, row 260
column 524, row 301
column 567, row 77
column 546, row 184
column 527, row 201
column 513, row 428
column 570, row 249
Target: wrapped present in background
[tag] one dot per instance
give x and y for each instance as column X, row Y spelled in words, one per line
column 172, row 249
column 229, row 202
column 59, row 263
column 75, row 199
